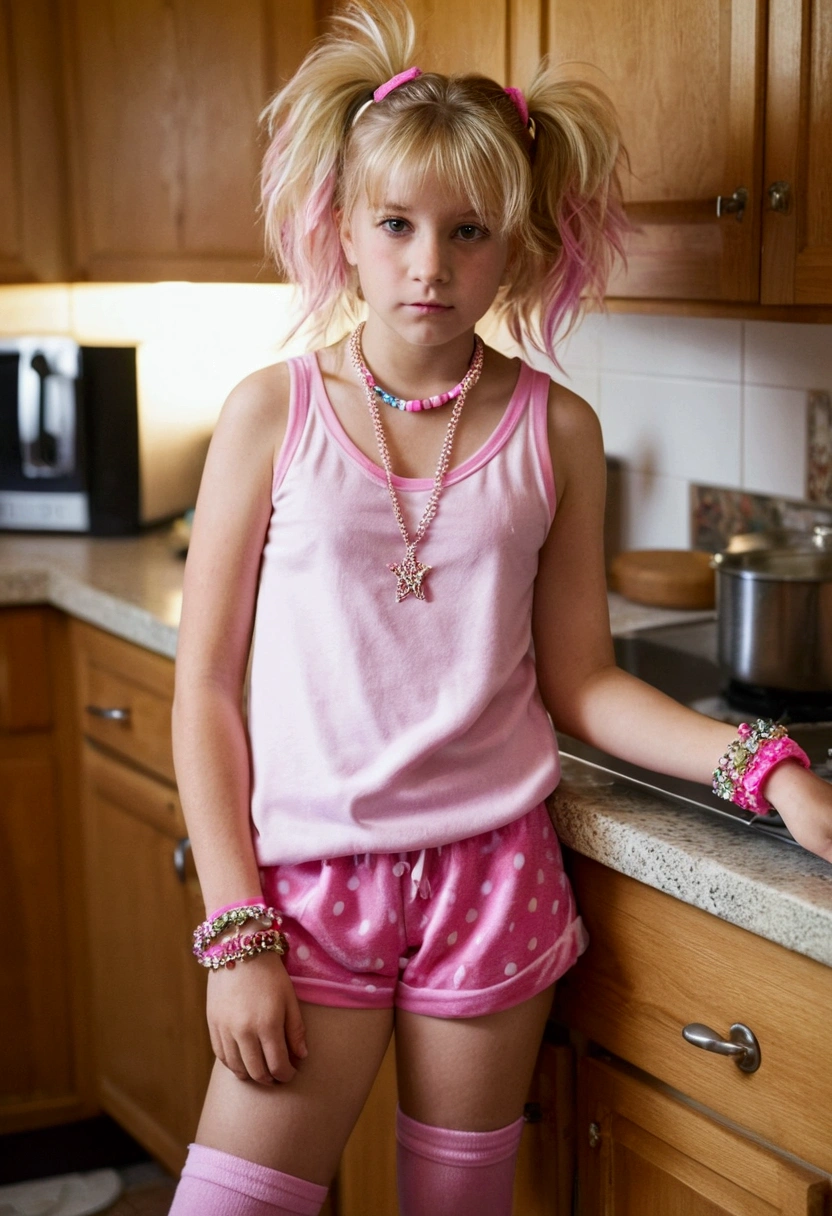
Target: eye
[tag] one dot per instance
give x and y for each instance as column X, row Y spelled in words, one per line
column 395, row 224
column 471, row 232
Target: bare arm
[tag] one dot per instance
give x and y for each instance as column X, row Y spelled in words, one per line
column 589, row 697
column 210, row 745
column 253, row 1014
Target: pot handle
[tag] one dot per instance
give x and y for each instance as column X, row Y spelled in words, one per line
column 822, row 537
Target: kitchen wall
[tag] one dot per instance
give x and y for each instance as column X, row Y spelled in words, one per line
column 681, row 401
column 714, row 402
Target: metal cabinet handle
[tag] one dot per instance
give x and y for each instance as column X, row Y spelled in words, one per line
column 180, row 854
column 741, row 1044
column 779, row 196
column 111, row 713
column 733, row 204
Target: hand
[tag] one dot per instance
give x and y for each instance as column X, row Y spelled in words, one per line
column 254, row 1020
column 805, row 804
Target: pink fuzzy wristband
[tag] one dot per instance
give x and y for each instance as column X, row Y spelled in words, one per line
column 748, row 762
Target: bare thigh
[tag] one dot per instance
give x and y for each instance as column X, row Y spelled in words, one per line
column 470, row 1074
column 301, row 1127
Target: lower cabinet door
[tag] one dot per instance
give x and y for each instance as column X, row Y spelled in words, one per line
column 151, row 1041
column 642, row 1150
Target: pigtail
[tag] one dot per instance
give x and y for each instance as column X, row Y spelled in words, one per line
column 576, row 220
column 308, row 122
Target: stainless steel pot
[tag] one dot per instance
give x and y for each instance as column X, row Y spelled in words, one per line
column 774, row 613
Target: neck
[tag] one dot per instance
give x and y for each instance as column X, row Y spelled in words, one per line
column 415, row 371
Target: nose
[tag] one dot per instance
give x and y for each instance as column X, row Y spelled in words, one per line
column 430, row 263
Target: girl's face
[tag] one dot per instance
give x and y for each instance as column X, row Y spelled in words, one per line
column 428, row 268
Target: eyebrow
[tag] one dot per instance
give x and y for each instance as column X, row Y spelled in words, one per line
column 403, row 209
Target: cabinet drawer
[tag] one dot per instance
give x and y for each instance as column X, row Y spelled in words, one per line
column 656, row 964
column 125, row 697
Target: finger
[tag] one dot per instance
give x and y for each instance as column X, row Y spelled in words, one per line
column 231, row 1057
column 251, row 1052
column 277, row 1059
column 216, row 1042
column 295, row 1029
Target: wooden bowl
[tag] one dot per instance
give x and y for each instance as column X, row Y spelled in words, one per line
column 665, row 578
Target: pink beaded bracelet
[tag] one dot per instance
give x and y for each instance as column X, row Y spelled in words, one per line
column 228, row 953
column 234, row 916
column 748, row 762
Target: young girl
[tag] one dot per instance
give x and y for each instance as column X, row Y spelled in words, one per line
column 423, row 584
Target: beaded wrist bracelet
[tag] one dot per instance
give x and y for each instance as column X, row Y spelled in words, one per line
column 236, row 917
column 228, row 953
column 747, row 763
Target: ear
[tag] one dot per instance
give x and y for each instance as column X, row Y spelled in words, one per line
column 345, row 235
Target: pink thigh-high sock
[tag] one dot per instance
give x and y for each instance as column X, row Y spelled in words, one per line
column 219, row 1184
column 451, row 1173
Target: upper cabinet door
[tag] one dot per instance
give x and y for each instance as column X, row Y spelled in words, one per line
column 163, row 101
column 32, row 179
column 686, row 77
column 797, row 203
column 465, row 36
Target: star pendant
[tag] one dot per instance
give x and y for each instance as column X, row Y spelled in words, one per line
column 409, row 574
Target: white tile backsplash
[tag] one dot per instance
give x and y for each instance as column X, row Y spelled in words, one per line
column 655, row 511
column 676, row 428
column 774, row 441
column 672, row 346
column 783, row 355
column 713, row 401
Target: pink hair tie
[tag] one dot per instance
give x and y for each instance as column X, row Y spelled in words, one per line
column 520, row 103
column 394, row 82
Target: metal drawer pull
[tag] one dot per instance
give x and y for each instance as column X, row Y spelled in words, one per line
column 732, row 204
column 779, row 196
column 180, row 853
column 741, row 1043
column 112, row 714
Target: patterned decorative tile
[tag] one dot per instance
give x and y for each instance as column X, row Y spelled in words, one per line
column 717, row 514
column 819, row 449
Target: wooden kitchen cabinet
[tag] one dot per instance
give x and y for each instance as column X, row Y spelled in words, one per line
column 153, row 1054
column 687, row 80
column 715, row 97
column 163, row 98
column 797, row 225
column 33, row 229
column 653, row 966
column 44, row 1047
column 642, row 1150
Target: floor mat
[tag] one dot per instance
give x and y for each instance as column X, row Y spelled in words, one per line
column 63, row 1195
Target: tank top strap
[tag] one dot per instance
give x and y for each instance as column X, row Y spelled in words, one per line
column 300, row 390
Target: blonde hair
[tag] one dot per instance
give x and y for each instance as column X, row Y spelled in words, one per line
column 552, row 189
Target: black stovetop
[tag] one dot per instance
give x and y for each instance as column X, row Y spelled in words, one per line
column 681, row 661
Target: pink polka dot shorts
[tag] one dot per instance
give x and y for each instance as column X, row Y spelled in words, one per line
column 459, row 930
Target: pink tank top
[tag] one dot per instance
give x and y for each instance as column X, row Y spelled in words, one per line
column 379, row 726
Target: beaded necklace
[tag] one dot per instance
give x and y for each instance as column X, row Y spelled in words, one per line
column 400, row 403
column 410, row 573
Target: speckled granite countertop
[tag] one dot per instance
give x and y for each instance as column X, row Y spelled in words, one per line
column 133, row 588
column 772, row 888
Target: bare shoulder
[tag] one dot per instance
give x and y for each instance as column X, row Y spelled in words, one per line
column 257, row 408
column 575, row 439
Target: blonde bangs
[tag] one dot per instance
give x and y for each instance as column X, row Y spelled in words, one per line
column 461, row 150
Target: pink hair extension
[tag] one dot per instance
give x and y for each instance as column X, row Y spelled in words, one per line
column 591, row 232
column 310, row 246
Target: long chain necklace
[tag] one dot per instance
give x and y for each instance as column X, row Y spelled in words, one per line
column 410, row 573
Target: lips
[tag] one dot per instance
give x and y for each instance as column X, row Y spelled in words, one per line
column 430, row 306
